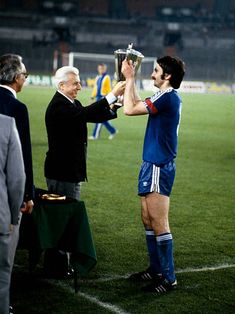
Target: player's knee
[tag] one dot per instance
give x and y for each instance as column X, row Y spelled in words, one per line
column 160, row 226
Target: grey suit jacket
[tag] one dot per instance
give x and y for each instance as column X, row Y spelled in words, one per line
column 12, row 175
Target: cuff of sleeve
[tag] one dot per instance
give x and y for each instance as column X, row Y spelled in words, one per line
column 30, row 194
column 111, row 98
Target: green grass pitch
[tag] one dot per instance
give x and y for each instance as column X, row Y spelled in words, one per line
column 202, row 215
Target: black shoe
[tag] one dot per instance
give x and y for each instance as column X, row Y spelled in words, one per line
column 160, row 286
column 144, row 276
column 11, row 309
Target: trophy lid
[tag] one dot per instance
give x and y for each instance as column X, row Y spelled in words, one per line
column 129, row 51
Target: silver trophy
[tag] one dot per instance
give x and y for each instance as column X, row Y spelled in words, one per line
column 129, row 54
column 120, row 55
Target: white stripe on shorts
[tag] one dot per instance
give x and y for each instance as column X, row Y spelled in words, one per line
column 155, row 179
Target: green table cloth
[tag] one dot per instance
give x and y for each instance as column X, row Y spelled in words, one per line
column 63, row 225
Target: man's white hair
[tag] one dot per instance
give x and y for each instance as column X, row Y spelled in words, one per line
column 61, row 75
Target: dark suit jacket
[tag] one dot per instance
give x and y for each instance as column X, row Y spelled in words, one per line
column 12, row 107
column 66, row 125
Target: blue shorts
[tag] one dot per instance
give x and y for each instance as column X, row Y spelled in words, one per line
column 153, row 178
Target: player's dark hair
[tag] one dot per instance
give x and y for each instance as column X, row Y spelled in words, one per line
column 173, row 66
column 10, row 67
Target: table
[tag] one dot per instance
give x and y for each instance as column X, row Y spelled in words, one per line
column 59, row 224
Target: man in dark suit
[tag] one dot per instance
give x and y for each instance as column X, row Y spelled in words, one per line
column 12, row 77
column 65, row 164
column 66, row 123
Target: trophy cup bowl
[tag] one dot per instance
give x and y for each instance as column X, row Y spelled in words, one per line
column 121, row 55
column 129, row 54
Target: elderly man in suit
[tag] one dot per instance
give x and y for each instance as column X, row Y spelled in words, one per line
column 12, row 181
column 66, row 124
column 12, row 78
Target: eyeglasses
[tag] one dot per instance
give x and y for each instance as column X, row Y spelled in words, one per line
column 25, row 74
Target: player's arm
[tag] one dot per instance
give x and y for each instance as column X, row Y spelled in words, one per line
column 136, row 95
column 132, row 103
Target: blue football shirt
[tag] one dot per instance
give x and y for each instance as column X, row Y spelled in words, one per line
column 160, row 143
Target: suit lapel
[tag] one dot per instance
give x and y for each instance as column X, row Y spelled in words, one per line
column 77, row 103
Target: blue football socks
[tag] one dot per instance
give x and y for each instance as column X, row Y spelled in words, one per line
column 165, row 252
column 153, row 253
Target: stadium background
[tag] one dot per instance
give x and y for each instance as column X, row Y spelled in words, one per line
column 201, row 32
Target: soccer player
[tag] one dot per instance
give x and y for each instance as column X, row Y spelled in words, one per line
column 101, row 88
column 157, row 172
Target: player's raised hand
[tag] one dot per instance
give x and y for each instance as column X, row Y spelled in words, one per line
column 128, row 69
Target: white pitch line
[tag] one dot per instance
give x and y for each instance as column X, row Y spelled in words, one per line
column 179, row 271
column 117, row 310
column 108, row 306
column 210, row 268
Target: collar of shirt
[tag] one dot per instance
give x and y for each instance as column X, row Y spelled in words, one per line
column 10, row 89
column 72, row 101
